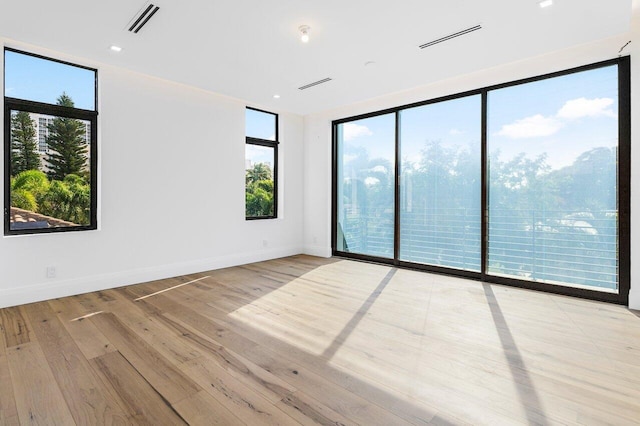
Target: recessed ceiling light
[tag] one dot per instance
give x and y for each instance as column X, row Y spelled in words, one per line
column 304, row 33
column 115, row 48
column 276, row 96
column 546, row 3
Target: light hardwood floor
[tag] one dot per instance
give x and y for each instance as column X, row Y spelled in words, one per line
column 304, row 340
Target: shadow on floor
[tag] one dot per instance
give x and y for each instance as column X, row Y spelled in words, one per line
column 527, row 393
column 357, row 317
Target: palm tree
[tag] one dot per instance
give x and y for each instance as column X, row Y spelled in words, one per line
column 260, row 171
column 28, row 188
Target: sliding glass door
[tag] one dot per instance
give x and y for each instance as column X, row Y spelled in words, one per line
column 366, row 189
column 440, row 183
column 524, row 183
column 553, row 176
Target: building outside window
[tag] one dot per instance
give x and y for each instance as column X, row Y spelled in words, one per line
column 50, row 145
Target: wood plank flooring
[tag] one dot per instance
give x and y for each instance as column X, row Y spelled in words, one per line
column 305, row 340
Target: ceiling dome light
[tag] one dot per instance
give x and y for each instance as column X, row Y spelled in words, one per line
column 115, row 48
column 304, row 33
column 546, row 3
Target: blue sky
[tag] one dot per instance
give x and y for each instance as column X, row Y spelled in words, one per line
column 455, row 123
column 562, row 117
column 260, row 125
column 263, row 126
column 258, row 154
column 37, row 79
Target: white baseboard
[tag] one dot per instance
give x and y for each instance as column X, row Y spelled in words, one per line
column 634, row 297
column 53, row 289
column 319, row 251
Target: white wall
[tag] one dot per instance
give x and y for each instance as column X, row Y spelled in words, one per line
column 317, row 135
column 172, row 182
column 171, row 198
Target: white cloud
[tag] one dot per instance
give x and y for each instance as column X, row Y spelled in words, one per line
column 379, row 169
column 370, row 181
column 582, row 107
column 455, row 132
column 531, row 127
column 352, row 131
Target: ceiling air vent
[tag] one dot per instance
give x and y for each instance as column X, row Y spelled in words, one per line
column 450, row 36
column 315, row 83
column 140, row 20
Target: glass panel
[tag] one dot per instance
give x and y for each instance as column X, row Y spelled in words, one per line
column 36, row 79
column 50, row 179
column 366, row 182
column 261, row 125
column 553, row 180
column 259, row 188
column 440, row 184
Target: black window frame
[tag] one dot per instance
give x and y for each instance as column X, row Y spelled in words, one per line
column 16, row 104
column 624, row 190
column 249, row 140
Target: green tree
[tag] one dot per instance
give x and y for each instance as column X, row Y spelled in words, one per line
column 24, row 150
column 23, row 199
column 67, row 143
column 259, row 191
column 68, row 200
column 590, row 183
column 522, row 184
column 259, row 199
column 33, row 181
column 367, row 202
column 28, row 188
column 260, row 171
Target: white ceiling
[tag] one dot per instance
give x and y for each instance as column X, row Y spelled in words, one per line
column 250, row 49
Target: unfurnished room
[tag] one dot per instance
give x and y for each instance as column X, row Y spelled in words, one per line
column 335, row 213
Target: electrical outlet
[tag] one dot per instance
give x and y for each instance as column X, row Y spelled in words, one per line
column 265, row 243
column 51, row 271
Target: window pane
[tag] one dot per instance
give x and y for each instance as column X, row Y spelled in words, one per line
column 440, row 184
column 259, row 189
column 261, row 125
column 553, row 180
column 366, row 181
column 36, row 79
column 50, row 179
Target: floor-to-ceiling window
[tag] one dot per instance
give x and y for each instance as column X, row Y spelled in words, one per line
column 553, row 168
column 440, row 183
column 366, row 192
column 524, row 183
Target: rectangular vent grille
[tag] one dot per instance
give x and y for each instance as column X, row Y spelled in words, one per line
column 144, row 17
column 315, row 83
column 451, row 36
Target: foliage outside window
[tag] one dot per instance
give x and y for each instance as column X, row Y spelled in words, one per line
column 261, row 164
column 538, row 194
column 50, row 145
